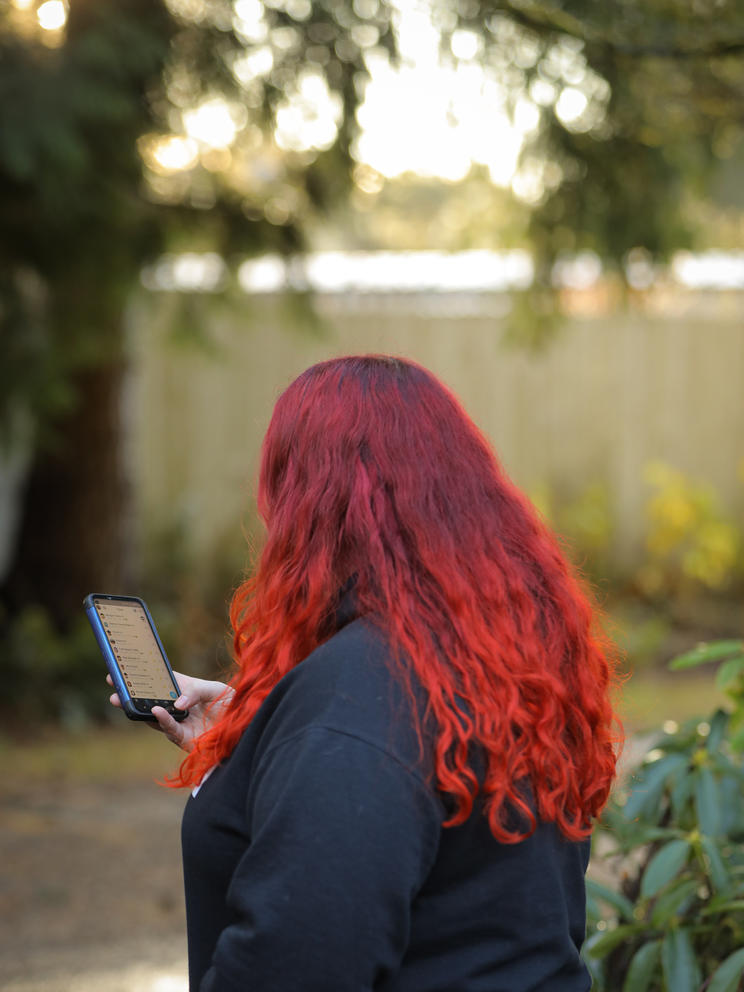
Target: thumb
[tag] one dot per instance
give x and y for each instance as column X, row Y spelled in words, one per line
column 170, row 727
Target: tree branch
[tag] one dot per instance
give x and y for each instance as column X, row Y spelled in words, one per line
column 542, row 21
column 715, row 50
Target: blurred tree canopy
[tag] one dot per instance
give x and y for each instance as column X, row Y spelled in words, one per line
column 640, row 108
column 637, row 109
column 91, row 116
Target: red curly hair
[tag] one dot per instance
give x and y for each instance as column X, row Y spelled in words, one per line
column 371, row 468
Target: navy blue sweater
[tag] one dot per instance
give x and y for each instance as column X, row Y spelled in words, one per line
column 315, row 858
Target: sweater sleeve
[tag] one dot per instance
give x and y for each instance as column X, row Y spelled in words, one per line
column 342, row 838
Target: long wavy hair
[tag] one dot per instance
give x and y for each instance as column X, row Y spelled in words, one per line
column 371, row 468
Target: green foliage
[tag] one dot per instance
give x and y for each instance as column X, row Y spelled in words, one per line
column 83, row 199
column 75, row 229
column 691, row 544
column 729, row 679
column 639, row 632
column 674, row 840
column 87, row 199
column 692, row 547
column 50, row 677
column 82, row 121
column 659, row 78
column 585, row 520
column 638, row 123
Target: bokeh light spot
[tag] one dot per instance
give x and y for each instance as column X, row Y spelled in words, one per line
column 52, row 15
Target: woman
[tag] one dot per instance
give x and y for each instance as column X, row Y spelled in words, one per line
column 397, row 789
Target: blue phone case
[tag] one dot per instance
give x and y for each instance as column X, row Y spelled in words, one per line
column 134, row 708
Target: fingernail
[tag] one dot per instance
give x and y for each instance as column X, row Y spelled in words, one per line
column 182, row 702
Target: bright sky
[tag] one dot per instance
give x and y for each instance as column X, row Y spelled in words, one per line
column 435, row 119
column 428, row 115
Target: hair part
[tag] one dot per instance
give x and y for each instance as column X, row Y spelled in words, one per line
column 370, row 467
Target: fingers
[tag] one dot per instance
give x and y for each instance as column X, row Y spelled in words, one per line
column 170, row 727
column 190, row 694
column 114, row 697
column 202, row 693
column 199, row 690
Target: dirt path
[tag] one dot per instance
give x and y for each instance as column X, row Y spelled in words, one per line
column 91, row 892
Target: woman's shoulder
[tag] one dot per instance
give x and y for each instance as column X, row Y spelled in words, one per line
column 360, row 649
column 351, row 684
column 354, row 672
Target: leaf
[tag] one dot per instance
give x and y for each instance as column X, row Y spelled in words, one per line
column 723, row 766
column 673, row 902
column 719, row 876
column 678, row 962
column 722, row 905
column 593, row 911
column 727, row 975
column 646, row 792
column 681, row 793
column 593, row 966
column 707, row 652
column 643, row 967
column 664, row 865
column 707, row 805
column 651, row 834
column 600, row 947
column 731, row 789
column 737, row 741
column 718, row 726
column 615, row 899
column 729, row 672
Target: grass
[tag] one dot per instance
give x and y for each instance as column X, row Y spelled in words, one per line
column 130, row 752
column 650, row 698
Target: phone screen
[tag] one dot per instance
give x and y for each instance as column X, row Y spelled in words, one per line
column 137, row 652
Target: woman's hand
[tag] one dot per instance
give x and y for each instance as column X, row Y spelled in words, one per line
column 203, row 699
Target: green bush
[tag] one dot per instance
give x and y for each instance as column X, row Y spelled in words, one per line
column 691, row 544
column 673, row 839
column 50, row 677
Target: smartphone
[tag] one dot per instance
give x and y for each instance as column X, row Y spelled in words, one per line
column 134, row 655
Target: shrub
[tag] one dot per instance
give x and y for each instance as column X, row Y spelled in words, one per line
column 691, row 545
column 50, row 677
column 674, row 835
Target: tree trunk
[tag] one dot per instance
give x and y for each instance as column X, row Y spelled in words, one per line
column 74, row 517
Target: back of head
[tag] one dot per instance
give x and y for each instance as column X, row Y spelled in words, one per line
column 371, row 467
column 372, row 470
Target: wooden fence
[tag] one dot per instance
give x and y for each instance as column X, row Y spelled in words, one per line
column 612, row 393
